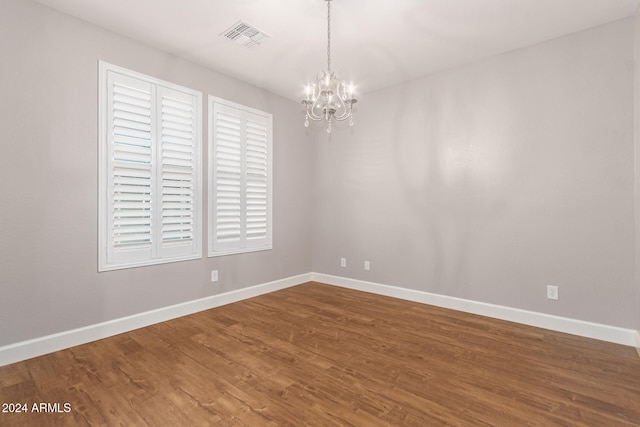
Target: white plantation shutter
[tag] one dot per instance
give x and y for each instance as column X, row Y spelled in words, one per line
column 150, row 138
column 240, row 187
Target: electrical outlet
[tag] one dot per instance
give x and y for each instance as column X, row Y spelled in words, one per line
column 214, row 276
column 367, row 265
column 552, row 292
column 343, row 262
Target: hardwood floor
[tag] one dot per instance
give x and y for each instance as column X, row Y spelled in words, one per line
column 318, row 355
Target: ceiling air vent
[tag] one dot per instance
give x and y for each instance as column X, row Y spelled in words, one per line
column 245, row 34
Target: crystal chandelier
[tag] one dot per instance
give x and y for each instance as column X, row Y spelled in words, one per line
column 328, row 98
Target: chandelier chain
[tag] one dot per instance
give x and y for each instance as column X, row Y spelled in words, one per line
column 329, row 35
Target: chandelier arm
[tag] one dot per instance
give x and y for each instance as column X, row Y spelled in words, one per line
column 341, row 105
column 315, row 119
column 346, row 104
column 343, row 117
column 310, row 111
column 318, row 109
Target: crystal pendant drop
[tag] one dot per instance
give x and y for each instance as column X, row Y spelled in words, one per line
column 306, row 122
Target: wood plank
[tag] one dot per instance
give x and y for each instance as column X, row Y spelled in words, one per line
column 320, row 355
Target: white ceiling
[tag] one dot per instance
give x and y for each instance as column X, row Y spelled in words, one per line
column 375, row 43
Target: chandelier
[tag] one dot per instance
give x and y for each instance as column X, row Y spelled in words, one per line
column 328, row 98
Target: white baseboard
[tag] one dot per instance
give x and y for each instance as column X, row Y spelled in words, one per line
column 37, row 347
column 546, row 321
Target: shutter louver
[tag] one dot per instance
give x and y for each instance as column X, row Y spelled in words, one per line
column 177, row 169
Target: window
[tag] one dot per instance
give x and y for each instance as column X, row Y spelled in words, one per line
column 240, row 164
column 150, row 136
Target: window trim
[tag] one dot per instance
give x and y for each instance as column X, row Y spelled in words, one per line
column 212, row 252
column 103, row 171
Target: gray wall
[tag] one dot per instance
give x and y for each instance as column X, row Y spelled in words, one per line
column 491, row 181
column 637, row 166
column 48, row 181
column 486, row 182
